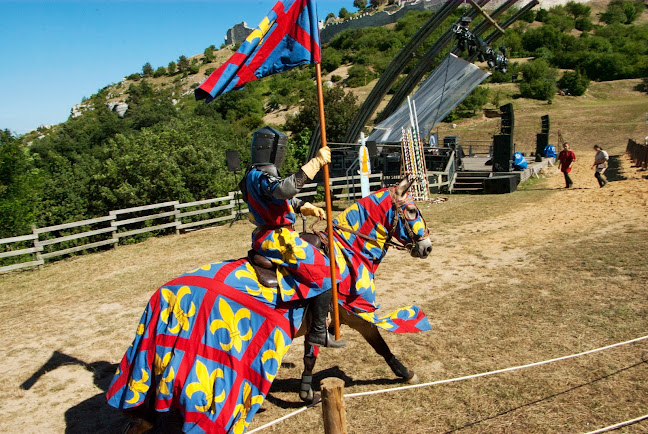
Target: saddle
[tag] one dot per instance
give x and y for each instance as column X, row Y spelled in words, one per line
column 266, row 270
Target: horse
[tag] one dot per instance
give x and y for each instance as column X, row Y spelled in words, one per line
column 211, row 341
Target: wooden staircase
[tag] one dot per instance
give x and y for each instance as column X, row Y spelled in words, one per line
column 470, row 182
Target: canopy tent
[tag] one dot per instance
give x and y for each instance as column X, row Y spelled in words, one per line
column 442, row 91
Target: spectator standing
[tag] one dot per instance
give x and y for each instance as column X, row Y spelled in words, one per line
column 566, row 159
column 600, row 164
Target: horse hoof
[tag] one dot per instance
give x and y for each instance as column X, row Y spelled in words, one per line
column 413, row 380
column 316, row 400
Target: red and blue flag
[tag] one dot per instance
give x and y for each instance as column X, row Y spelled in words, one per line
column 287, row 37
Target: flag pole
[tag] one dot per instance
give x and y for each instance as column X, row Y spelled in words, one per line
column 329, row 207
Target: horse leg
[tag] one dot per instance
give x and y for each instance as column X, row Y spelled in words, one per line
column 141, row 420
column 372, row 335
column 306, row 393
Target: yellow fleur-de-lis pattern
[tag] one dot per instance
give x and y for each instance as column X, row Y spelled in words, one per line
column 287, row 244
column 174, row 310
column 365, row 281
column 138, row 387
column 381, row 238
column 343, row 220
column 206, row 385
column 277, row 354
column 231, row 322
column 260, row 32
column 241, row 410
column 160, row 364
column 205, row 267
column 269, row 294
column 386, row 322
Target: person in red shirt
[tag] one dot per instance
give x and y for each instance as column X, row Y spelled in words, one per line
column 566, row 158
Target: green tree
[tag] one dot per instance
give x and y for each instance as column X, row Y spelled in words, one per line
column 476, row 100
column 160, row 71
column 20, row 184
column 578, row 10
column 622, row 12
column 341, row 107
column 343, row 13
column 183, row 64
column 584, row 24
column 147, row 70
column 209, row 54
column 539, row 80
column 360, row 4
column 574, row 82
column 359, row 76
column 172, row 68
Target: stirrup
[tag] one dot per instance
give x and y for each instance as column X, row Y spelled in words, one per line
column 329, row 342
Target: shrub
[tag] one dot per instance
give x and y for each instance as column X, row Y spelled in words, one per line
column 160, row 71
column 172, row 68
column 573, row 82
column 476, row 100
column 539, row 80
column 147, row 70
column 584, row 24
column 359, row 76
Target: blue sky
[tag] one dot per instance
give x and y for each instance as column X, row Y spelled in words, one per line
column 55, row 52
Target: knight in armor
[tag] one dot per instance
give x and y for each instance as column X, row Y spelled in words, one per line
column 273, row 207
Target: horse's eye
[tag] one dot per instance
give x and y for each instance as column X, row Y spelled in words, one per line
column 411, row 212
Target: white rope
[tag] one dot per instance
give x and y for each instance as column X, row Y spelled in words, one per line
column 619, row 425
column 269, row 424
column 484, row 374
column 499, row 371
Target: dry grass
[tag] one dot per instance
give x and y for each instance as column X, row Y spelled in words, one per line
column 513, row 279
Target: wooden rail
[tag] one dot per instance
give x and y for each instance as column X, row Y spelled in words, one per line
column 50, row 242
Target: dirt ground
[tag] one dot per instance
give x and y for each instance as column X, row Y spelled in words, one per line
column 514, row 279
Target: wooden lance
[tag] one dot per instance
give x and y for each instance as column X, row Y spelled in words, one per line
column 327, row 195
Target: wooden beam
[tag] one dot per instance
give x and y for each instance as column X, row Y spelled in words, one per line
column 483, row 12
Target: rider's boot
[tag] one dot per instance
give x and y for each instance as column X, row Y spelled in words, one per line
column 318, row 335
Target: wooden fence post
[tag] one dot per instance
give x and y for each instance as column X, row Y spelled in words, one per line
column 333, row 406
column 37, row 245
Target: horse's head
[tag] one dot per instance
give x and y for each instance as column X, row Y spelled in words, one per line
column 409, row 226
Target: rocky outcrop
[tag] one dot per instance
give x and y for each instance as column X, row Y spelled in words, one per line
column 118, row 107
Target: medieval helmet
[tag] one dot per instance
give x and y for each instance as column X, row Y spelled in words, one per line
column 268, row 147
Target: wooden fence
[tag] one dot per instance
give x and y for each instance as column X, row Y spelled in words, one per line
column 638, row 153
column 55, row 241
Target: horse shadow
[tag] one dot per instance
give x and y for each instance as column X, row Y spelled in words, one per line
column 94, row 414
column 291, row 385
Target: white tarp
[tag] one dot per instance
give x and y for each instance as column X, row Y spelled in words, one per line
column 440, row 93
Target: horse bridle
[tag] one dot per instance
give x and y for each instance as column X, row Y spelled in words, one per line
column 397, row 205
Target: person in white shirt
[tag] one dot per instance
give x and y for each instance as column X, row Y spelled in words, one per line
column 600, row 164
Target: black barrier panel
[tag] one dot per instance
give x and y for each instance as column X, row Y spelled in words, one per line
column 233, row 161
column 545, row 124
column 508, row 119
column 542, row 141
column 500, row 184
column 502, row 153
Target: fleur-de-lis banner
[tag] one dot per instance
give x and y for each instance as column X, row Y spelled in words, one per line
column 287, row 37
